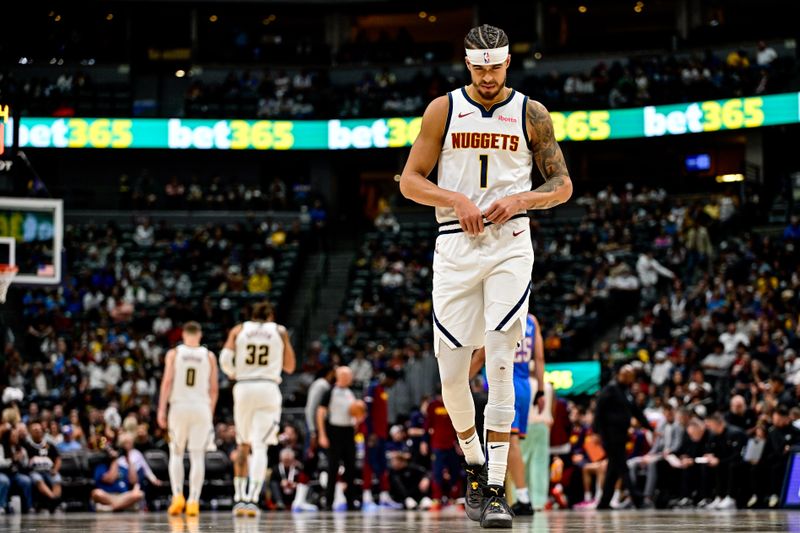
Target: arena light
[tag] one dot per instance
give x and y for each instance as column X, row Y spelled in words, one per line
column 432, row 18
column 58, row 18
column 582, row 9
column 180, row 73
column 423, row 15
column 638, row 7
column 213, row 18
column 110, row 17
column 730, row 178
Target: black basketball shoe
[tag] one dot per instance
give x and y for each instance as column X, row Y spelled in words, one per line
column 522, row 509
column 496, row 513
column 476, row 482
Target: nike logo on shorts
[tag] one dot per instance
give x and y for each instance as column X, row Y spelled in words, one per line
column 518, row 232
column 462, row 115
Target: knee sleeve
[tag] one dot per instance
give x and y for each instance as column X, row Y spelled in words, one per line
column 500, row 348
column 456, row 394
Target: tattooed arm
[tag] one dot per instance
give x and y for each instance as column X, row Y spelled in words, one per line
column 557, row 187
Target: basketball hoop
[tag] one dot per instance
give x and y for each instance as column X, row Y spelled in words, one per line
column 7, row 274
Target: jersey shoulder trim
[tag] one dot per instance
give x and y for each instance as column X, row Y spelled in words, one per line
column 484, row 112
column 525, row 121
column 449, row 116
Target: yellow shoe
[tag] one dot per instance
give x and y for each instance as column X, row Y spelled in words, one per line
column 177, row 505
column 192, row 508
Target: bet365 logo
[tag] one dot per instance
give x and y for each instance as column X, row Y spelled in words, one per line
column 704, row 116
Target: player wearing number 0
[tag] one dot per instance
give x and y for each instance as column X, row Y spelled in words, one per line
column 485, row 138
column 254, row 355
column 191, row 387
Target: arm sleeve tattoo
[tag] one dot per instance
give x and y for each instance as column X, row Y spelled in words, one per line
column 546, row 151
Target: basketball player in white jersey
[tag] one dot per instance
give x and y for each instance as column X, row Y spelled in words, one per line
column 254, row 355
column 191, row 387
column 485, row 137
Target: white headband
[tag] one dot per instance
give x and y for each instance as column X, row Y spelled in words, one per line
column 489, row 56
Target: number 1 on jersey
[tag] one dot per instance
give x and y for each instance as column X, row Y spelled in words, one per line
column 484, row 169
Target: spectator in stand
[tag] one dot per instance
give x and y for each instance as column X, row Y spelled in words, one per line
column 44, row 462
column 259, row 282
column 410, row 483
column 792, row 231
column 765, row 55
column 446, row 465
column 780, row 439
column 284, row 479
column 118, row 486
column 68, row 444
column 724, row 459
column 377, row 433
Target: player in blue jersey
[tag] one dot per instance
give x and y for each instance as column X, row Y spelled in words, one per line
column 531, row 348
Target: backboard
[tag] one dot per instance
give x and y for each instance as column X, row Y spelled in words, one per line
column 31, row 237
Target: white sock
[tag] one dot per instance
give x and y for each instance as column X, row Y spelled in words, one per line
column 257, row 473
column 239, row 488
column 587, row 496
column 300, row 494
column 616, row 496
column 367, row 497
column 197, row 473
column 522, row 495
column 176, row 473
column 473, row 452
column 498, row 460
column 598, row 495
column 338, row 493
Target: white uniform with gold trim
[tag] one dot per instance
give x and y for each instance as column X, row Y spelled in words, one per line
column 482, row 283
column 189, row 419
column 256, row 395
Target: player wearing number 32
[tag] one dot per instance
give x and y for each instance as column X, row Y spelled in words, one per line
column 485, row 137
column 191, row 387
column 254, row 355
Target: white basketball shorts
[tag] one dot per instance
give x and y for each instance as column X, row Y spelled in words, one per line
column 257, row 412
column 480, row 283
column 190, row 426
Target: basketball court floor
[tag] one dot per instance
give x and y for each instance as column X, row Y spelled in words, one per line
column 449, row 521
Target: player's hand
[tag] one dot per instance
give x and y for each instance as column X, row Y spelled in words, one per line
column 469, row 216
column 503, row 209
column 323, row 442
column 161, row 418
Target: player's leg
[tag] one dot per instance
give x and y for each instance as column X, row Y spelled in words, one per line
column 242, row 419
column 458, row 318
column 199, row 437
column 499, row 415
column 506, row 290
column 516, row 466
column 519, row 427
column 266, row 426
column 178, row 433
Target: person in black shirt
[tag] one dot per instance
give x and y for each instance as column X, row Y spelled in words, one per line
column 615, row 408
column 725, row 460
column 741, row 416
column 780, row 438
column 44, row 462
column 683, row 472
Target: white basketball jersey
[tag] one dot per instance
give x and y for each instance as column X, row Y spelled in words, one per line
column 192, row 374
column 259, row 352
column 485, row 154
